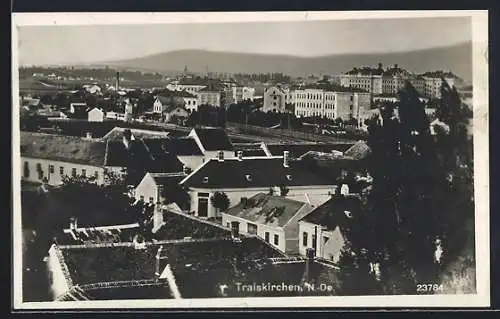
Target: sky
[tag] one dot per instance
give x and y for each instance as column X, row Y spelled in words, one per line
column 41, row 45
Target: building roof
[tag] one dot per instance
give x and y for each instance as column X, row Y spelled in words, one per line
column 332, row 213
column 193, row 81
column 63, row 148
column 214, row 139
column 124, row 262
column 358, row 151
column 267, row 210
column 252, row 172
column 166, row 93
column 297, row 150
column 116, row 134
column 250, row 149
column 184, row 146
column 167, row 178
column 179, row 226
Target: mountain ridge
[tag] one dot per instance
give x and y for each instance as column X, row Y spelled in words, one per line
column 456, row 58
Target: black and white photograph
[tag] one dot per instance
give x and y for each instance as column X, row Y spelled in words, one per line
column 265, row 159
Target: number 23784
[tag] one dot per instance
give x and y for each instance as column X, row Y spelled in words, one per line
column 429, row 288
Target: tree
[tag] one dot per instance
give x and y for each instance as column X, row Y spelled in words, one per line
column 220, row 201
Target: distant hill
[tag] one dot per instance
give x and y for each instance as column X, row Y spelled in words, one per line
column 457, row 59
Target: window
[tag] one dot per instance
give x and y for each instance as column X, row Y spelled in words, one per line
column 73, row 172
column 84, row 172
column 266, row 236
column 96, row 174
column 304, row 239
column 252, row 229
column 39, row 170
column 51, row 278
column 26, row 170
column 314, row 241
column 205, row 179
column 142, row 198
column 61, row 170
column 228, row 225
column 151, row 199
column 51, row 169
column 276, row 239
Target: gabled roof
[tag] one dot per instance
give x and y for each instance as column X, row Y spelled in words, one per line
column 167, row 178
column 63, row 148
column 358, row 151
column 332, row 213
column 251, row 173
column 183, row 146
column 173, row 93
column 214, row 139
column 265, row 209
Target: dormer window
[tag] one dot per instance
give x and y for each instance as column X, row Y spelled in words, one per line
column 205, row 179
column 248, row 177
column 289, row 177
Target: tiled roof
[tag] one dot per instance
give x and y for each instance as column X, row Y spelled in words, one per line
column 268, row 210
column 167, row 178
column 358, row 151
column 178, row 226
column 117, row 134
column 63, row 148
column 172, row 93
column 331, row 213
column 123, row 262
column 183, row 147
column 249, row 149
column 214, row 139
column 297, row 150
column 252, row 172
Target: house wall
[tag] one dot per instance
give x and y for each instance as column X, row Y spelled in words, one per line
column 209, row 98
column 261, row 230
column 191, row 103
column 291, row 229
column 95, row 115
column 317, row 194
column 57, row 281
column 215, row 154
column 55, row 178
column 274, row 100
column 157, row 106
column 330, row 250
column 148, row 189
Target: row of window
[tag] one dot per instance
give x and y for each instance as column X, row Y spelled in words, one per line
column 329, row 115
column 252, row 229
column 315, row 105
column 305, row 238
column 52, row 170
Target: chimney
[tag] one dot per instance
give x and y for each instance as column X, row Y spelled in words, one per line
column 244, row 202
column 157, row 218
column 395, row 66
column 73, row 223
column 220, row 156
column 235, row 229
column 127, row 137
column 344, row 190
column 88, row 135
column 309, row 261
column 117, row 81
column 240, row 155
column 157, row 263
column 185, row 169
column 380, row 66
column 286, row 159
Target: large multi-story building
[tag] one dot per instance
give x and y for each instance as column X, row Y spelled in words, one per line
column 331, row 103
column 275, row 99
column 392, row 80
